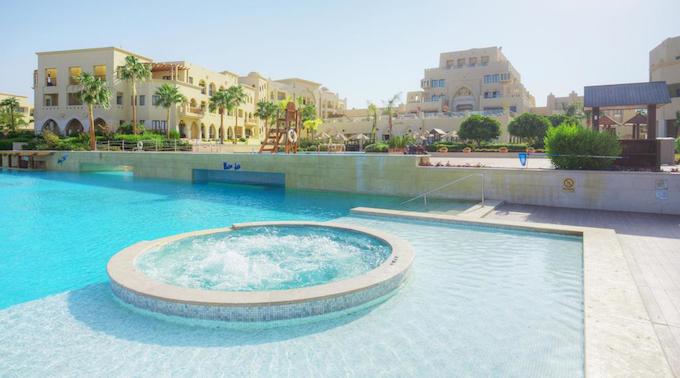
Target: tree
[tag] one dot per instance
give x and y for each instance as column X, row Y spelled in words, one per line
column 169, row 95
column 390, row 110
column 93, row 92
column 134, row 71
column 236, row 98
column 10, row 106
column 307, row 112
column 311, row 125
column 220, row 101
column 373, row 113
column 479, row 129
column 265, row 111
column 529, row 126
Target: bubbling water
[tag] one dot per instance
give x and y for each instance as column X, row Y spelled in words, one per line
column 265, row 258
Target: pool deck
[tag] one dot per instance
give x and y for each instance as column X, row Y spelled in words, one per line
column 651, row 246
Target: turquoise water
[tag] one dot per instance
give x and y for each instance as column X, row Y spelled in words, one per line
column 264, row 258
column 479, row 301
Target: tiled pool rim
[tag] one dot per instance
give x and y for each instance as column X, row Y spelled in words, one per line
column 135, row 288
column 619, row 336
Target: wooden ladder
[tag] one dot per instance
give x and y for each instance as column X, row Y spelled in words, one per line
column 272, row 140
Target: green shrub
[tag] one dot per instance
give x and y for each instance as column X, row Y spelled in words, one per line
column 677, row 146
column 479, row 128
column 400, row 141
column 569, row 146
column 174, row 134
column 377, row 147
column 136, row 138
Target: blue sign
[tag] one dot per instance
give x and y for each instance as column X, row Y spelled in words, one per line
column 237, row 166
column 62, row 159
column 226, row 165
column 523, row 158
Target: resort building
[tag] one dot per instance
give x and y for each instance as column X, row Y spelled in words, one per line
column 664, row 65
column 480, row 79
column 558, row 105
column 328, row 103
column 25, row 109
column 60, row 110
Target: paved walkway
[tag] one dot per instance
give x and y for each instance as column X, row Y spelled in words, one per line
column 651, row 244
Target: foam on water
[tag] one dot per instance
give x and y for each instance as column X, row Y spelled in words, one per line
column 264, row 258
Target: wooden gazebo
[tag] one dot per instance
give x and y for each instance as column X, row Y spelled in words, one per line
column 608, row 124
column 647, row 95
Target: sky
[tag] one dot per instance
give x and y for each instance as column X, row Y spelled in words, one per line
column 365, row 50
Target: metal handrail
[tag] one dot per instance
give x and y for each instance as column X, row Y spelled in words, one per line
column 424, row 195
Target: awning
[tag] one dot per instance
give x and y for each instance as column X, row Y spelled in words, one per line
column 437, row 131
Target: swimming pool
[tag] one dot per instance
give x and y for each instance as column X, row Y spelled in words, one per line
column 480, row 301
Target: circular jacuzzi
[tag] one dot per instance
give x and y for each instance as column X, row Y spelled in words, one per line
column 261, row 272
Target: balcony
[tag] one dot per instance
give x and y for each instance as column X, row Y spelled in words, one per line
column 193, row 112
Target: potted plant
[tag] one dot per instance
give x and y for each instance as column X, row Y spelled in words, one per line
column 531, row 150
column 467, row 150
column 443, row 149
column 503, row 150
column 397, row 144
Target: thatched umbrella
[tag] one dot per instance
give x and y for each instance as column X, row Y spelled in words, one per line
column 361, row 138
column 636, row 121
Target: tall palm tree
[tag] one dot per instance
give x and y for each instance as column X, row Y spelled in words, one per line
column 11, row 105
column 266, row 110
column 390, row 111
column 220, row 101
column 169, row 95
column 93, row 92
column 311, row 125
column 237, row 98
column 134, row 71
column 373, row 113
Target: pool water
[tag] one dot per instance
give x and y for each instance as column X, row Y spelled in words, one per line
column 264, row 258
column 480, row 301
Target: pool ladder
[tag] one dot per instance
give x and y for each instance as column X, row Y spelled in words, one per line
column 425, row 194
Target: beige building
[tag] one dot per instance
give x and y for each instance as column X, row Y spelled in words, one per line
column 328, row 103
column 558, row 105
column 25, row 108
column 664, row 65
column 59, row 109
column 471, row 80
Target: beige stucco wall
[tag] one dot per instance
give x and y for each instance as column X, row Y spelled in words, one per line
column 399, row 175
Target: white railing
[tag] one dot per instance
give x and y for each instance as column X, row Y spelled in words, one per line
column 144, row 145
column 425, row 194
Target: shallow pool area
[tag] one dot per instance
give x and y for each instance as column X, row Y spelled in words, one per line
column 480, row 301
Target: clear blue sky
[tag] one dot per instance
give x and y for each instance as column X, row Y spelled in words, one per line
column 366, row 50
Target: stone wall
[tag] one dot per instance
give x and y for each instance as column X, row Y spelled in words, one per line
column 400, row 175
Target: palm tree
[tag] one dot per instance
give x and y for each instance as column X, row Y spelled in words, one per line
column 373, row 113
column 237, row 97
column 266, row 110
column 220, row 101
column 169, row 95
column 134, row 71
column 93, row 92
column 389, row 110
column 311, row 125
column 11, row 105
